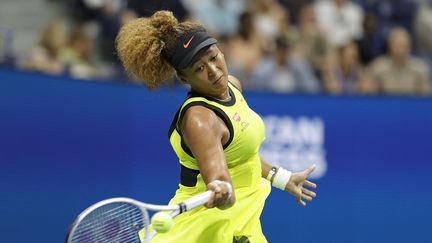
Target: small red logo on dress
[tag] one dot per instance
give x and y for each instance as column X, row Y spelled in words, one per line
column 236, row 117
column 187, row 44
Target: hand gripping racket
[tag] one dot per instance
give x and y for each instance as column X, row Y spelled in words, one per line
column 120, row 219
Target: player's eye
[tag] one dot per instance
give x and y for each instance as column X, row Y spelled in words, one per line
column 199, row 69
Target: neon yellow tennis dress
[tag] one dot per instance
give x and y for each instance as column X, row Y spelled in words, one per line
column 240, row 222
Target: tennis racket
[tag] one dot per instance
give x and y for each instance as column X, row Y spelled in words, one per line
column 120, row 219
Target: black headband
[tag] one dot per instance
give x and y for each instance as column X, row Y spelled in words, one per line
column 187, row 47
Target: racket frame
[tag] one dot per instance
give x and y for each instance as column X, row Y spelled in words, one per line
column 175, row 210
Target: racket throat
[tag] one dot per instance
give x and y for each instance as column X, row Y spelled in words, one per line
column 182, row 207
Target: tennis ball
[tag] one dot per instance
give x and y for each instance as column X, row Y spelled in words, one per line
column 161, row 222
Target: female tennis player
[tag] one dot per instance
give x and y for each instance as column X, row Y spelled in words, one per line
column 215, row 134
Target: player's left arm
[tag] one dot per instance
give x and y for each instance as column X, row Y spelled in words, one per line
column 291, row 182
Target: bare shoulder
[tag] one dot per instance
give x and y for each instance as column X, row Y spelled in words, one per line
column 197, row 118
column 235, row 82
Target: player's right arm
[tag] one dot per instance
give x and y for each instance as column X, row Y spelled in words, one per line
column 205, row 133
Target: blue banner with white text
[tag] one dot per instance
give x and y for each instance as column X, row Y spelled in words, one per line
column 65, row 144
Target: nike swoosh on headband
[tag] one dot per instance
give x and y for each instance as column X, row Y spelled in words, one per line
column 187, row 44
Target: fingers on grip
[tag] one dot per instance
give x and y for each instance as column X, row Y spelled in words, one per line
column 221, row 193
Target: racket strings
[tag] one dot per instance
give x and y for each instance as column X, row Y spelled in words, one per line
column 95, row 216
column 114, row 229
column 113, row 222
column 104, row 226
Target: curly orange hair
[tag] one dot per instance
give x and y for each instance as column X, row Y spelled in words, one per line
column 141, row 42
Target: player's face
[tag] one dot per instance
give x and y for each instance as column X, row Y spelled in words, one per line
column 209, row 74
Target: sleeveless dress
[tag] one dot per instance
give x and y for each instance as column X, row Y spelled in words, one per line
column 241, row 222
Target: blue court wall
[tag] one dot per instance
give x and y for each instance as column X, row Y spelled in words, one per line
column 65, row 144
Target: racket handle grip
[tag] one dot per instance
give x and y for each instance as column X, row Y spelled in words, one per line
column 197, row 200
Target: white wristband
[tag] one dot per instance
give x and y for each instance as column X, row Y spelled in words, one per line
column 281, row 178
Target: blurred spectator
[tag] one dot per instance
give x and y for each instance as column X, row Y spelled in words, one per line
column 110, row 15
column 423, row 31
column 284, row 73
column 373, row 42
column 45, row 56
column 341, row 20
column 219, row 16
column 398, row 72
column 146, row 8
column 312, row 43
column 285, row 28
column 392, row 13
column 77, row 55
column 294, row 8
column 267, row 16
column 245, row 49
column 83, row 10
column 7, row 58
column 347, row 75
